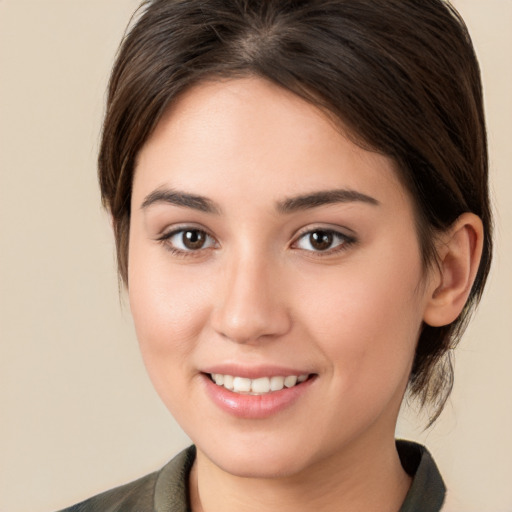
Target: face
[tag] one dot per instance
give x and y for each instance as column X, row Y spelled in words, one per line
column 271, row 254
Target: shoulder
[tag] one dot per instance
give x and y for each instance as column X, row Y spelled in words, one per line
column 137, row 495
column 427, row 492
column 164, row 490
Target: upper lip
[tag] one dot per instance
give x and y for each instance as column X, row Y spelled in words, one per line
column 254, row 372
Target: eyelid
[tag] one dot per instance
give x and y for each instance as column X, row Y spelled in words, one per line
column 347, row 239
column 171, row 231
column 333, row 228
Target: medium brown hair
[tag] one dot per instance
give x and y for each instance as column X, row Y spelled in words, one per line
column 401, row 75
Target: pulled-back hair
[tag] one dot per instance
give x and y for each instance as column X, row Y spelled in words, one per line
column 400, row 75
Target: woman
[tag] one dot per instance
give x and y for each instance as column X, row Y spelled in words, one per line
column 299, row 196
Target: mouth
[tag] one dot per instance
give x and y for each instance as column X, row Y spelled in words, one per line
column 259, row 386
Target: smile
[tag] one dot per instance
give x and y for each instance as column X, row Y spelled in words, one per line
column 260, row 386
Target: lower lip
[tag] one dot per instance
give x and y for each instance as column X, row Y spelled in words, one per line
column 255, row 406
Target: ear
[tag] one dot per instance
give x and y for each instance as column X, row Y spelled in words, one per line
column 459, row 252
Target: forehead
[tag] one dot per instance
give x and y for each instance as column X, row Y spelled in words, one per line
column 252, row 135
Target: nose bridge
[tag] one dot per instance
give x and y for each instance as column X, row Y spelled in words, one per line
column 251, row 305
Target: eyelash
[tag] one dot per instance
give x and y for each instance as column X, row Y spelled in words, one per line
column 344, row 241
column 165, row 240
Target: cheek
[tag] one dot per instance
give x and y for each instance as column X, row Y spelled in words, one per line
column 163, row 313
column 169, row 309
column 367, row 322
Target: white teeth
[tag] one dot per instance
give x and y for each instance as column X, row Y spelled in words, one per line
column 228, row 382
column 260, row 386
column 276, row 383
column 290, row 381
column 241, row 385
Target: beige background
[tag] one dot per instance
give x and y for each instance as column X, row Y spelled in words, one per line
column 78, row 414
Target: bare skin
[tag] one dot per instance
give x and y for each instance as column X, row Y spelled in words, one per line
column 262, row 241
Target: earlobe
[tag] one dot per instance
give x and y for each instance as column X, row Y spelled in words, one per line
column 459, row 253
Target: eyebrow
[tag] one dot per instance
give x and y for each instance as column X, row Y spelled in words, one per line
column 289, row 205
column 325, row 197
column 178, row 198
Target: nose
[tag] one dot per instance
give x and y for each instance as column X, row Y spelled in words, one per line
column 252, row 305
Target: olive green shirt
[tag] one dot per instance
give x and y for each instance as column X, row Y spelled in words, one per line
column 166, row 490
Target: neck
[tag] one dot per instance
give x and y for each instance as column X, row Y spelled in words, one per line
column 368, row 477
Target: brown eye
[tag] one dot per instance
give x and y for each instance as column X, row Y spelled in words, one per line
column 187, row 240
column 321, row 240
column 194, row 239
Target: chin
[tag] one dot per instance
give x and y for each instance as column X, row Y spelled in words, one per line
column 262, row 460
column 260, row 468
